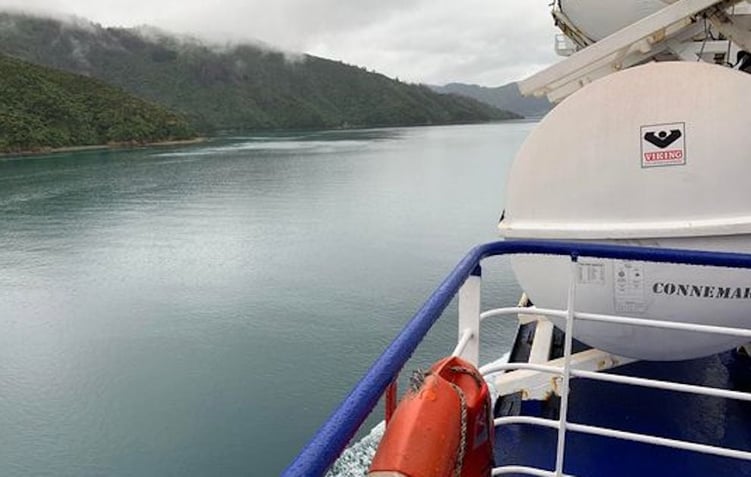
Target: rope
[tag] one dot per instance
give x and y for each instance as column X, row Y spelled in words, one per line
column 463, row 438
column 417, row 379
column 461, row 370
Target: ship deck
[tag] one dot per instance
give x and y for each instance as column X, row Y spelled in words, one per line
column 701, row 419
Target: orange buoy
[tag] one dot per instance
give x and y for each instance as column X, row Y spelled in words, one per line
column 443, row 428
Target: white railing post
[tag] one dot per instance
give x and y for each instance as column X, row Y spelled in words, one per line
column 566, row 378
column 469, row 316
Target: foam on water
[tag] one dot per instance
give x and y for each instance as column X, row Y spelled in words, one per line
column 263, row 144
column 356, row 459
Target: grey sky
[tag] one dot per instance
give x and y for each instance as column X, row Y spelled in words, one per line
column 488, row 42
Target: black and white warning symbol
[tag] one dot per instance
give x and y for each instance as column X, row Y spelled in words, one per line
column 663, row 145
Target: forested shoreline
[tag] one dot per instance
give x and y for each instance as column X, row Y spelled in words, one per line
column 45, row 109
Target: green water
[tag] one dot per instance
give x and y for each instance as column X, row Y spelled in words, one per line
column 200, row 310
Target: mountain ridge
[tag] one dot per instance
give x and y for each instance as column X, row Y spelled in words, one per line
column 236, row 87
column 506, row 97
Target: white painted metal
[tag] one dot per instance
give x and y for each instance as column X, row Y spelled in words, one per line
column 594, row 141
column 532, row 380
column 627, row 47
column 698, row 202
column 469, row 318
column 518, row 381
column 566, row 381
column 535, row 421
column 628, row 436
column 529, row 312
column 661, row 441
column 564, row 46
column 743, row 333
column 551, row 367
column 641, row 294
column 669, row 386
column 570, row 31
column 600, row 18
column 520, row 469
column 514, row 310
column 542, row 342
column 464, row 338
column 673, row 325
column 535, row 382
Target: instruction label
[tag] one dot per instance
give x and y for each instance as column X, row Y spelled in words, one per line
column 628, row 283
column 591, row 273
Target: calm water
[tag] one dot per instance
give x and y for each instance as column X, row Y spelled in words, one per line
column 200, row 311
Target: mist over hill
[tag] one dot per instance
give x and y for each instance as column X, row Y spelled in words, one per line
column 505, row 97
column 233, row 86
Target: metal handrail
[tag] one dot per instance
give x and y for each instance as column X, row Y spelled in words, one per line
column 613, row 378
column 566, row 372
column 334, row 435
column 630, row 436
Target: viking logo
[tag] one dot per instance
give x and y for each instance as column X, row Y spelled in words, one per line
column 663, row 145
column 662, row 139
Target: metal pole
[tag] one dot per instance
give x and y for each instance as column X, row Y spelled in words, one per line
column 469, row 315
column 568, row 343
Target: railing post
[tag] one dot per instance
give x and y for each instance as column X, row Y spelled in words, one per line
column 469, row 315
column 566, row 379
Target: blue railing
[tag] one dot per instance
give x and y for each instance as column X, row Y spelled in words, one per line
column 334, row 435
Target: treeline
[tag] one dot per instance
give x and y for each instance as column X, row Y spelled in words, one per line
column 238, row 87
column 43, row 108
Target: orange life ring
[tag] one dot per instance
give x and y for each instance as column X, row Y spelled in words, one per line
column 443, row 428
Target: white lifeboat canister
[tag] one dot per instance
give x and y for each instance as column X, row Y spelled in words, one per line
column 600, row 18
column 657, row 155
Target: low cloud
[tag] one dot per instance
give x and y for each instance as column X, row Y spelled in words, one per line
column 466, row 42
column 430, row 41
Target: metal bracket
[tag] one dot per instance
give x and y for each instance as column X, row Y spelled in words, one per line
column 632, row 45
column 536, row 385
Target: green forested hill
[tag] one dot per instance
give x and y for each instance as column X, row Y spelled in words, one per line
column 45, row 108
column 238, row 87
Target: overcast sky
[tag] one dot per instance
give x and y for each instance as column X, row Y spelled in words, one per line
column 487, row 42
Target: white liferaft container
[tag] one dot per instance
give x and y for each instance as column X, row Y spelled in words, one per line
column 657, row 155
column 600, row 18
